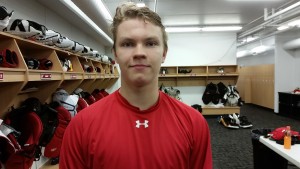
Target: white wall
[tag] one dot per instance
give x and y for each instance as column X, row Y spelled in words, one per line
column 261, row 59
column 258, row 59
column 195, row 49
column 287, row 71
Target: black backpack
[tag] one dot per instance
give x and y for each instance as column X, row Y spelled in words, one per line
column 47, row 115
column 222, row 90
column 211, row 94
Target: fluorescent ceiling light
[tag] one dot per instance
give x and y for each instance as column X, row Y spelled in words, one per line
column 83, row 16
column 140, row 4
column 221, row 28
column 261, row 49
column 103, row 9
column 283, row 27
column 183, row 29
column 255, row 51
column 255, row 0
column 289, row 24
column 294, row 23
column 251, row 38
column 206, row 29
column 242, row 53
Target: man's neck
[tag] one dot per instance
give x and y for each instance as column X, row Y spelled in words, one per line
column 141, row 97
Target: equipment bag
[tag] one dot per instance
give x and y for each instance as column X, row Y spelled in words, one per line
column 222, row 88
column 52, row 149
column 26, row 29
column 66, row 100
column 47, row 115
column 211, row 94
column 232, row 96
column 7, row 147
column 30, row 126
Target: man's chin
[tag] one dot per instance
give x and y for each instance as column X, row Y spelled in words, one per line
column 140, row 81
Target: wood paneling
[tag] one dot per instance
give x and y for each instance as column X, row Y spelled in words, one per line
column 256, row 85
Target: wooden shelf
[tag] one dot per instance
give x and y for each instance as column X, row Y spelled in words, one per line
column 37, row 75
column 12, row 75
column 199, row 75
column 17, row 84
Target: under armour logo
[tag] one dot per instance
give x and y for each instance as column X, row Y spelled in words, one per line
column 138, row 124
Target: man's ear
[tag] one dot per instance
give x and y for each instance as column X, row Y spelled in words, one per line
column 164, row 56
column 115, row 54
column 113, row 51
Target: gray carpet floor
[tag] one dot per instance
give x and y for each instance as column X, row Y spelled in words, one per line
column 232, row 148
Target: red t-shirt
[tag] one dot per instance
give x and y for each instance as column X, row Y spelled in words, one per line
column 112, row 134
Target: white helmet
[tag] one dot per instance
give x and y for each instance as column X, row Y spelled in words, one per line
column 87, row 51
column 64, row 42
column 104, row 59
column 50, row 38
column 69, row 102
column 4, row 17
column 75, row 47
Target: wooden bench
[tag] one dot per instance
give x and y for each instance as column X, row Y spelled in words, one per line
column 211, row 110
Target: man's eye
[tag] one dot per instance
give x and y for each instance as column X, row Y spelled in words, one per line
column 152, row 43
column 126, row 44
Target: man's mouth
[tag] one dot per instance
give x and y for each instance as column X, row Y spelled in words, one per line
column 139, row 67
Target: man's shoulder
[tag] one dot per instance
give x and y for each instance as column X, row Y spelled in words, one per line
column 177, row 105
column 99, row 106
column 170, row 100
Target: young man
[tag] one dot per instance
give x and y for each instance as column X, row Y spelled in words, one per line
column 137, row 126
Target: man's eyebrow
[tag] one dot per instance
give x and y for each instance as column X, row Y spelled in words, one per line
column 152, row 38
column 132, row 39
column 126, row 39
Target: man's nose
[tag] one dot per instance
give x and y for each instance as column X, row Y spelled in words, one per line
column 140, row 50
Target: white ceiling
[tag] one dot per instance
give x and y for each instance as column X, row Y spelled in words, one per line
column 182, row 12
column 206, row 12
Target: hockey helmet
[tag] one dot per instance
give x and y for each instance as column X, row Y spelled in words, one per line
column 4, row 17
column 68, row 101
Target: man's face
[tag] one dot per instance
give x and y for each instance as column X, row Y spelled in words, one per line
column 139, row 51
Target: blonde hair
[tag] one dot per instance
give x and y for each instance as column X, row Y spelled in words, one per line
column 130, row 11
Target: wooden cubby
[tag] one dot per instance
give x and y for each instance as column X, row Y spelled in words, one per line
column 17, row 84
column 201, row 76
column 73, row 78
